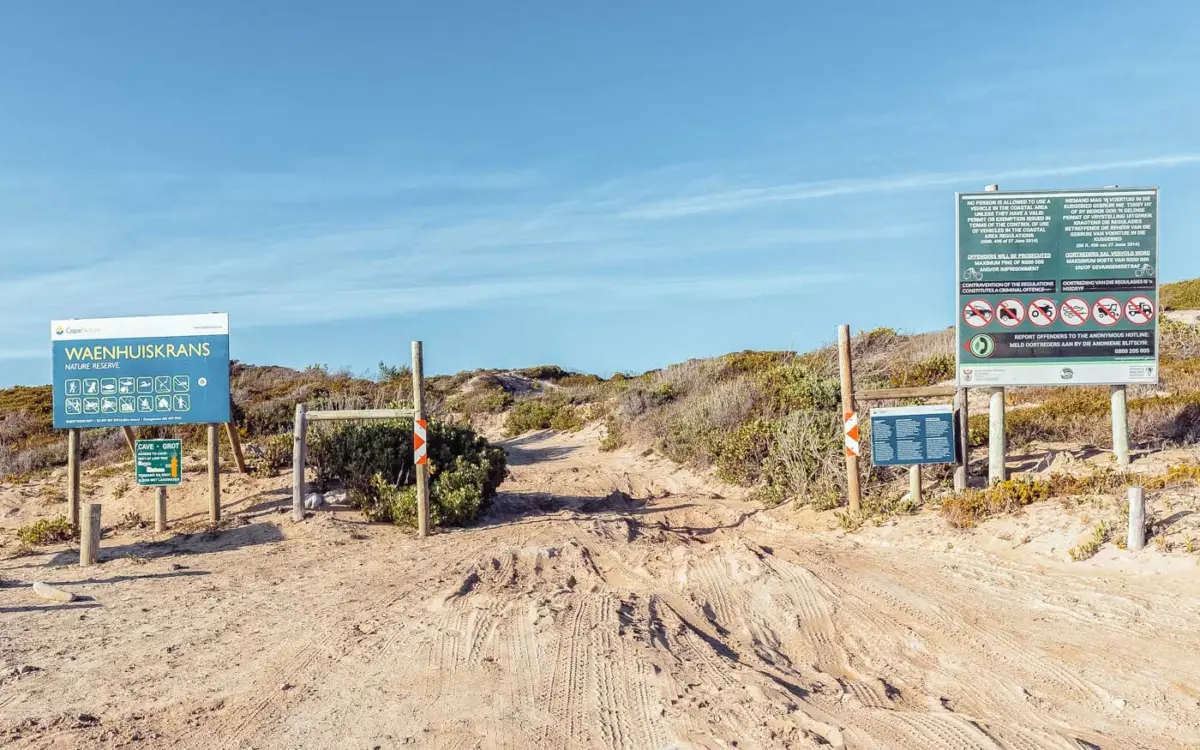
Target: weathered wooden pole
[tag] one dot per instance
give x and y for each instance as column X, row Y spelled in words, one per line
column 160, row 510
column 73, row 458
column 1137, row 519
column 421, row 468
column 997, row 442
column 130, row 439
column 1120, row 425
column 853, row 490
column 299, row 456
column 235, row 442
column 89, row 535
column 962, row 472
column 214, row 474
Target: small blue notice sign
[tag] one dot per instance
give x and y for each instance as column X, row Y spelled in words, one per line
column 906, row 435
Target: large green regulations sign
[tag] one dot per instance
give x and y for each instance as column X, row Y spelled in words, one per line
column 1057, row 287
column 158, row 462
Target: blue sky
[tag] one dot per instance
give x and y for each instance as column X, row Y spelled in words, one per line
column 606, row 186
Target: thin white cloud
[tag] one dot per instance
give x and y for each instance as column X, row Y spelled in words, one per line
column 753, row 197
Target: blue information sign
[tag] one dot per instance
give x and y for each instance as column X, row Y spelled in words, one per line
column 113, row 372
column 906, row 435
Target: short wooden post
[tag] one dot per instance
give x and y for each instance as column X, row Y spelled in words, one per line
column 914, row 484
column 214, row 474
column 962, row 473
column 853, row 490
column 235, row 442
column 1120, row 425
column 997, row 471
column 130, row 439
column 73, row 461
column 89, row 535
column 160, row 510
column 299, row 457
column 421, row 470
column 1137, row 519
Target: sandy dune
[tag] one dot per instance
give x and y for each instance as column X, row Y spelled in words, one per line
column 608, row 601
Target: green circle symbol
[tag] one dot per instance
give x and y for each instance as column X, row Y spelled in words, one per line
column 983, row 346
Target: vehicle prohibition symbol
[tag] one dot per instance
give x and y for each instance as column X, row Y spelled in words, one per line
column 1074, row 311
column 1106, row 311
column 1043, row 312
column 982, row 345
column 1010, row 312
column 978, row 313
column 1139, row 310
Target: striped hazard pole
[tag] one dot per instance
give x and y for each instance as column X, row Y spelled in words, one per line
column 852, row 446
column 420, row 457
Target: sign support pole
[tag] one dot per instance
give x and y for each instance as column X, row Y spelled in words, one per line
column 853, row 490
column 914, row 484
column 214, row 474
column 131, row 439
column 299, row 451
column 160, row 510
column 73, row 476
column 1120, row 425
column 421, row 469
column 962, row 473
column 235, row 442
column 997, row 442
column 996, row 437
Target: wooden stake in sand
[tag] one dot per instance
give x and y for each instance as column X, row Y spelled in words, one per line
column 422, row 468
column 299, row 435
column 852, row 486
column 89, row 535
column 1137, row 519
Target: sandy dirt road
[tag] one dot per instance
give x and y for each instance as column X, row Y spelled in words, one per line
column 608, row 601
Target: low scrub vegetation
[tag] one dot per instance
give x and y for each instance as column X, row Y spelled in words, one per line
column 47, row 531
column 545, row 413
column 1181, row 295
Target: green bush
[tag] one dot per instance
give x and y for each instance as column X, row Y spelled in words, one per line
column 276, row 455
column 48, row 531
column 740, row 454
column 800, row 386
column 374, row 461
column 1181, row 295
column 932, row 370
column 542, row 414
column 802, row 463
column 613, row 436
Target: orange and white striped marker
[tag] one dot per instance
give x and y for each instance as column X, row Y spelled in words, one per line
column 419, row 456
column 852, row 448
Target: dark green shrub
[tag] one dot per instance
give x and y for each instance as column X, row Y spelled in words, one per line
column 374, row 461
